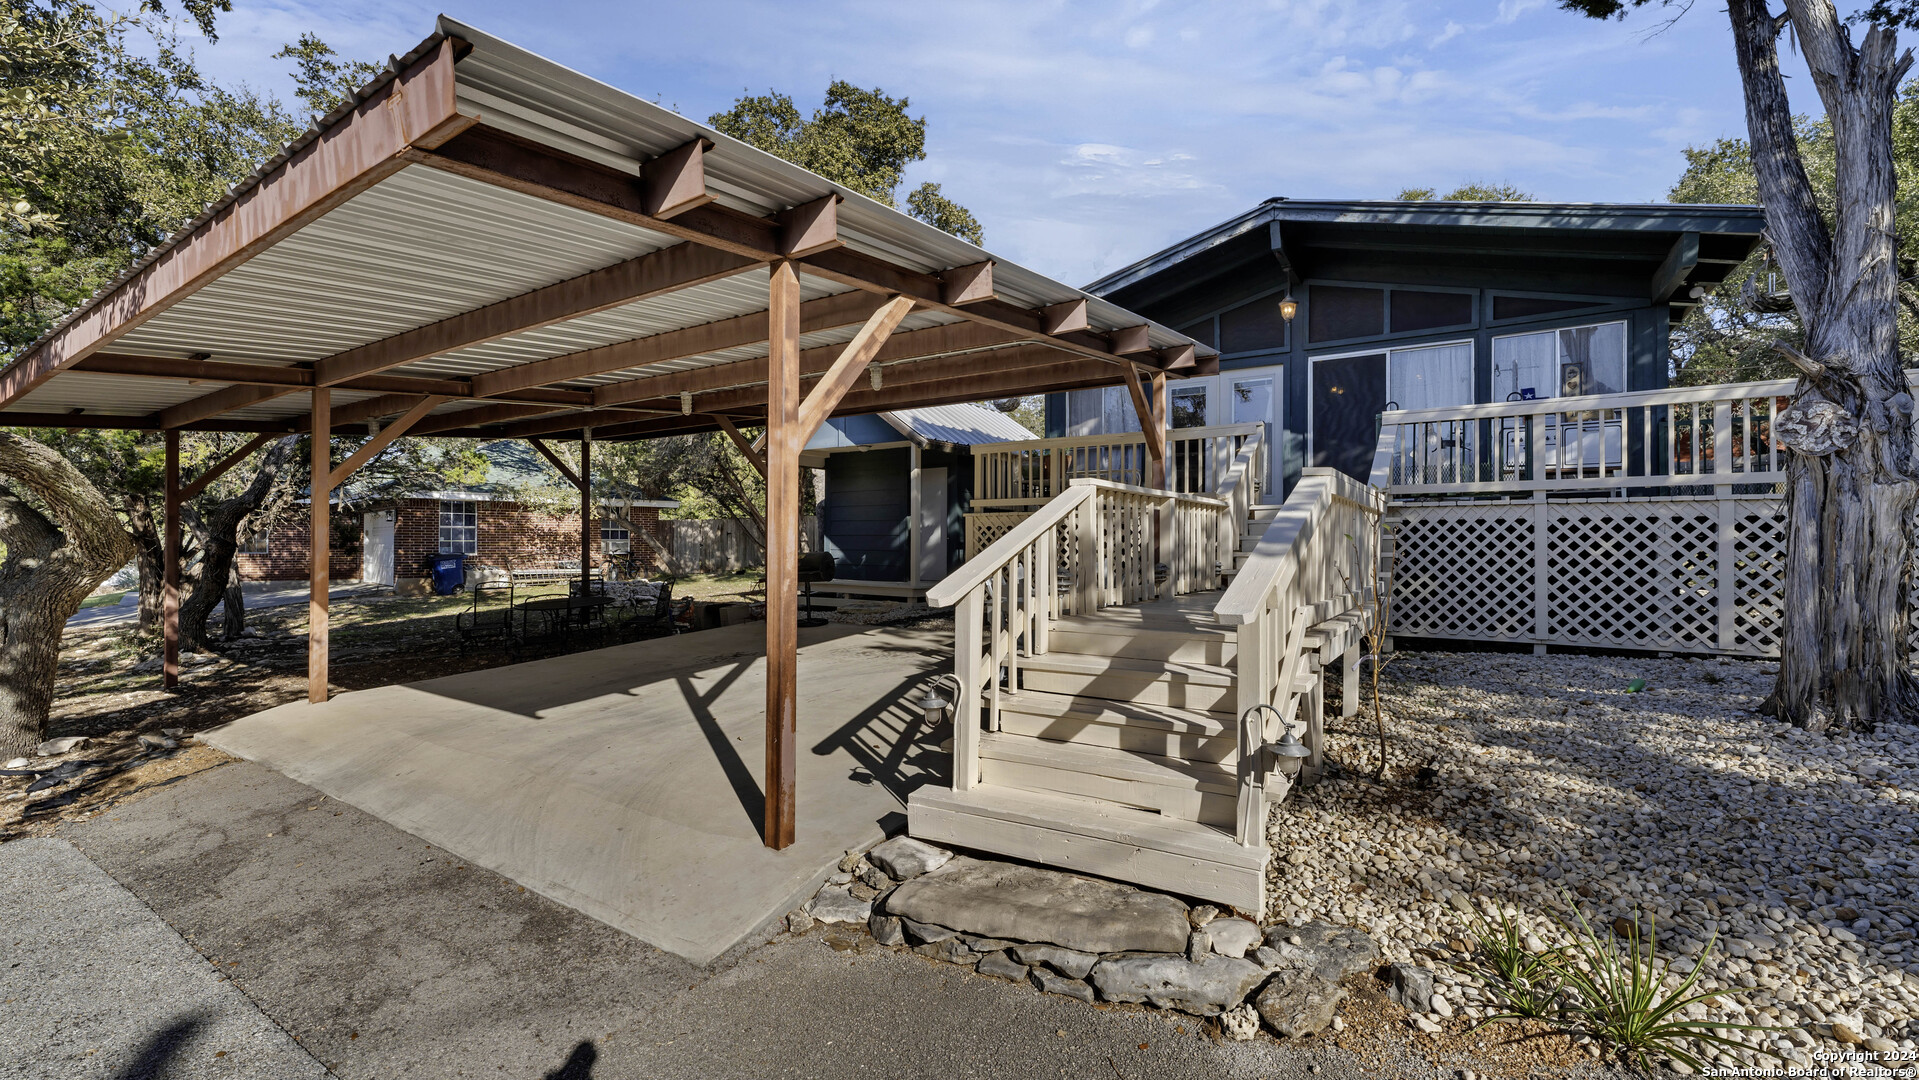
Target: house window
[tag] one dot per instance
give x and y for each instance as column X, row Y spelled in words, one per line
column 1430, row 377
column 1560, row 363
column 1188, row 407
column 459, row 527
column 614, row 537
column 255, row 543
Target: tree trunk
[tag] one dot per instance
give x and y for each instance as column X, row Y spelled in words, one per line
column 1851, row 484
column 149, row 553
column 218, row 534
column 48, row 570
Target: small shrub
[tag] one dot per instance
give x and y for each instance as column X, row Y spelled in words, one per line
column 1523, row 980
column 1614, row 991
column 1618, row 991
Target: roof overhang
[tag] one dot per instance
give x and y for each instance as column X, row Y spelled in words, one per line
column 1669, row 248
column 488, row 244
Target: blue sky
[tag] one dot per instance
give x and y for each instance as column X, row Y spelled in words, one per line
column 1088, row 135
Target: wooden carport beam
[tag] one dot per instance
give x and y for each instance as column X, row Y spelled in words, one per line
column 299, row 378
column 208, row 406
column 675, row 182
column 495, row 157
column 846, row 370
column 667, row 270
column 414, row 111
column 825, row 313
column 1151, row 421
column 931, row 341
column 319, row 532
column 748, row 449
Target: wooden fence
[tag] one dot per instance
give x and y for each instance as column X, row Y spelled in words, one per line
column 722, row 545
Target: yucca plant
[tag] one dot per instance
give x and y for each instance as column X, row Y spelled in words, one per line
column 1524, row 980
column 1618, row 994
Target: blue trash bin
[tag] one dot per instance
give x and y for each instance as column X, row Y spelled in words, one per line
column 449, row 573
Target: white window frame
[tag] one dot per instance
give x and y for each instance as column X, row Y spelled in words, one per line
column 621, row 544
column 1200, row 388
column 465, row 538
column 1625, row 354
column 264, row 536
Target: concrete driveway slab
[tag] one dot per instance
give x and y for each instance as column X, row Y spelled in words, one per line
column 96, row 985
column 625, row 782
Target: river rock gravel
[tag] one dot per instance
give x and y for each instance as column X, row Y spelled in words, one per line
column 1519, row 782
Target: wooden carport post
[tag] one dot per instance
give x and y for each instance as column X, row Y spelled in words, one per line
column 782, row 549
column 789, row 424
column 170, row 567
column 319, row 531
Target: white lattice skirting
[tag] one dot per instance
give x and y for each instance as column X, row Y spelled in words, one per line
column 1700, row 575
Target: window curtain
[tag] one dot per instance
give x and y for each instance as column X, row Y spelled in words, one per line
column 1431, row 377
column 1525, row 362
column 1593, row 359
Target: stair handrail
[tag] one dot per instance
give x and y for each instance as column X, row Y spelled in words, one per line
column 1240, row 490
column 1089, row 547
column 1292, row 578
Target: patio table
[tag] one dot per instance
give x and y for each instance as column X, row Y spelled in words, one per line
column 559, row 611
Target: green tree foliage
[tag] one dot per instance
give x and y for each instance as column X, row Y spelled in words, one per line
column 861, row 139
column 1470, row 192
column 1730, row 336
column 110, row 138
column 321, row 79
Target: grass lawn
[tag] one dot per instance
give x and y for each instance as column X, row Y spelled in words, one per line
column 104, row 599
column 733, row 586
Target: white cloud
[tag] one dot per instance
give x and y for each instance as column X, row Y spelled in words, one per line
column 1451, row 31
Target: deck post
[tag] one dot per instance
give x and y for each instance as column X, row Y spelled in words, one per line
column 170, row 572
column 782, row 549
column 319, row 531
column 586, row 511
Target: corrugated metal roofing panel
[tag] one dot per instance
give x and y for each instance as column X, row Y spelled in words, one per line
column 965, row 424
column 521, row 91
column 424, row 245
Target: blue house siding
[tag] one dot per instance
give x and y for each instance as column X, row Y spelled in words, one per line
column 1610, row 262
column 863, row 518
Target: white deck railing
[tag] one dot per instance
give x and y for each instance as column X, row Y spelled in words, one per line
column 1033, row 471
column 1314, row 562
column 1088, row 548
column 1691, row 436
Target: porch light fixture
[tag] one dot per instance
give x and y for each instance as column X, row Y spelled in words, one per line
column 933, row 707
column 1288, row 746
column 1288, row 307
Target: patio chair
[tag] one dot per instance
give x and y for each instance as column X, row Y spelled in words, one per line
column 482, row 623
column 652, row 618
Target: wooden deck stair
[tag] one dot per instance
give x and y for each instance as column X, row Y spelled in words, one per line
column 1117, row 753
column 1126, row 732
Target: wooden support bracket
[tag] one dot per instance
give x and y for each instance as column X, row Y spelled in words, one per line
column 750, row 450
column 1131, row 340
column 193, row 490
column 967, row 284
column 851, row 364
column 810, row 228
column 1064, row 318
column 378, row 443
column 675, row 182
column 554, row 459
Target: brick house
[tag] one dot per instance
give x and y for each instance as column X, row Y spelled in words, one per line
column 398, row 538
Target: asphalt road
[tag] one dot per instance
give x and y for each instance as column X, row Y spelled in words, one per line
column 385, row 957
